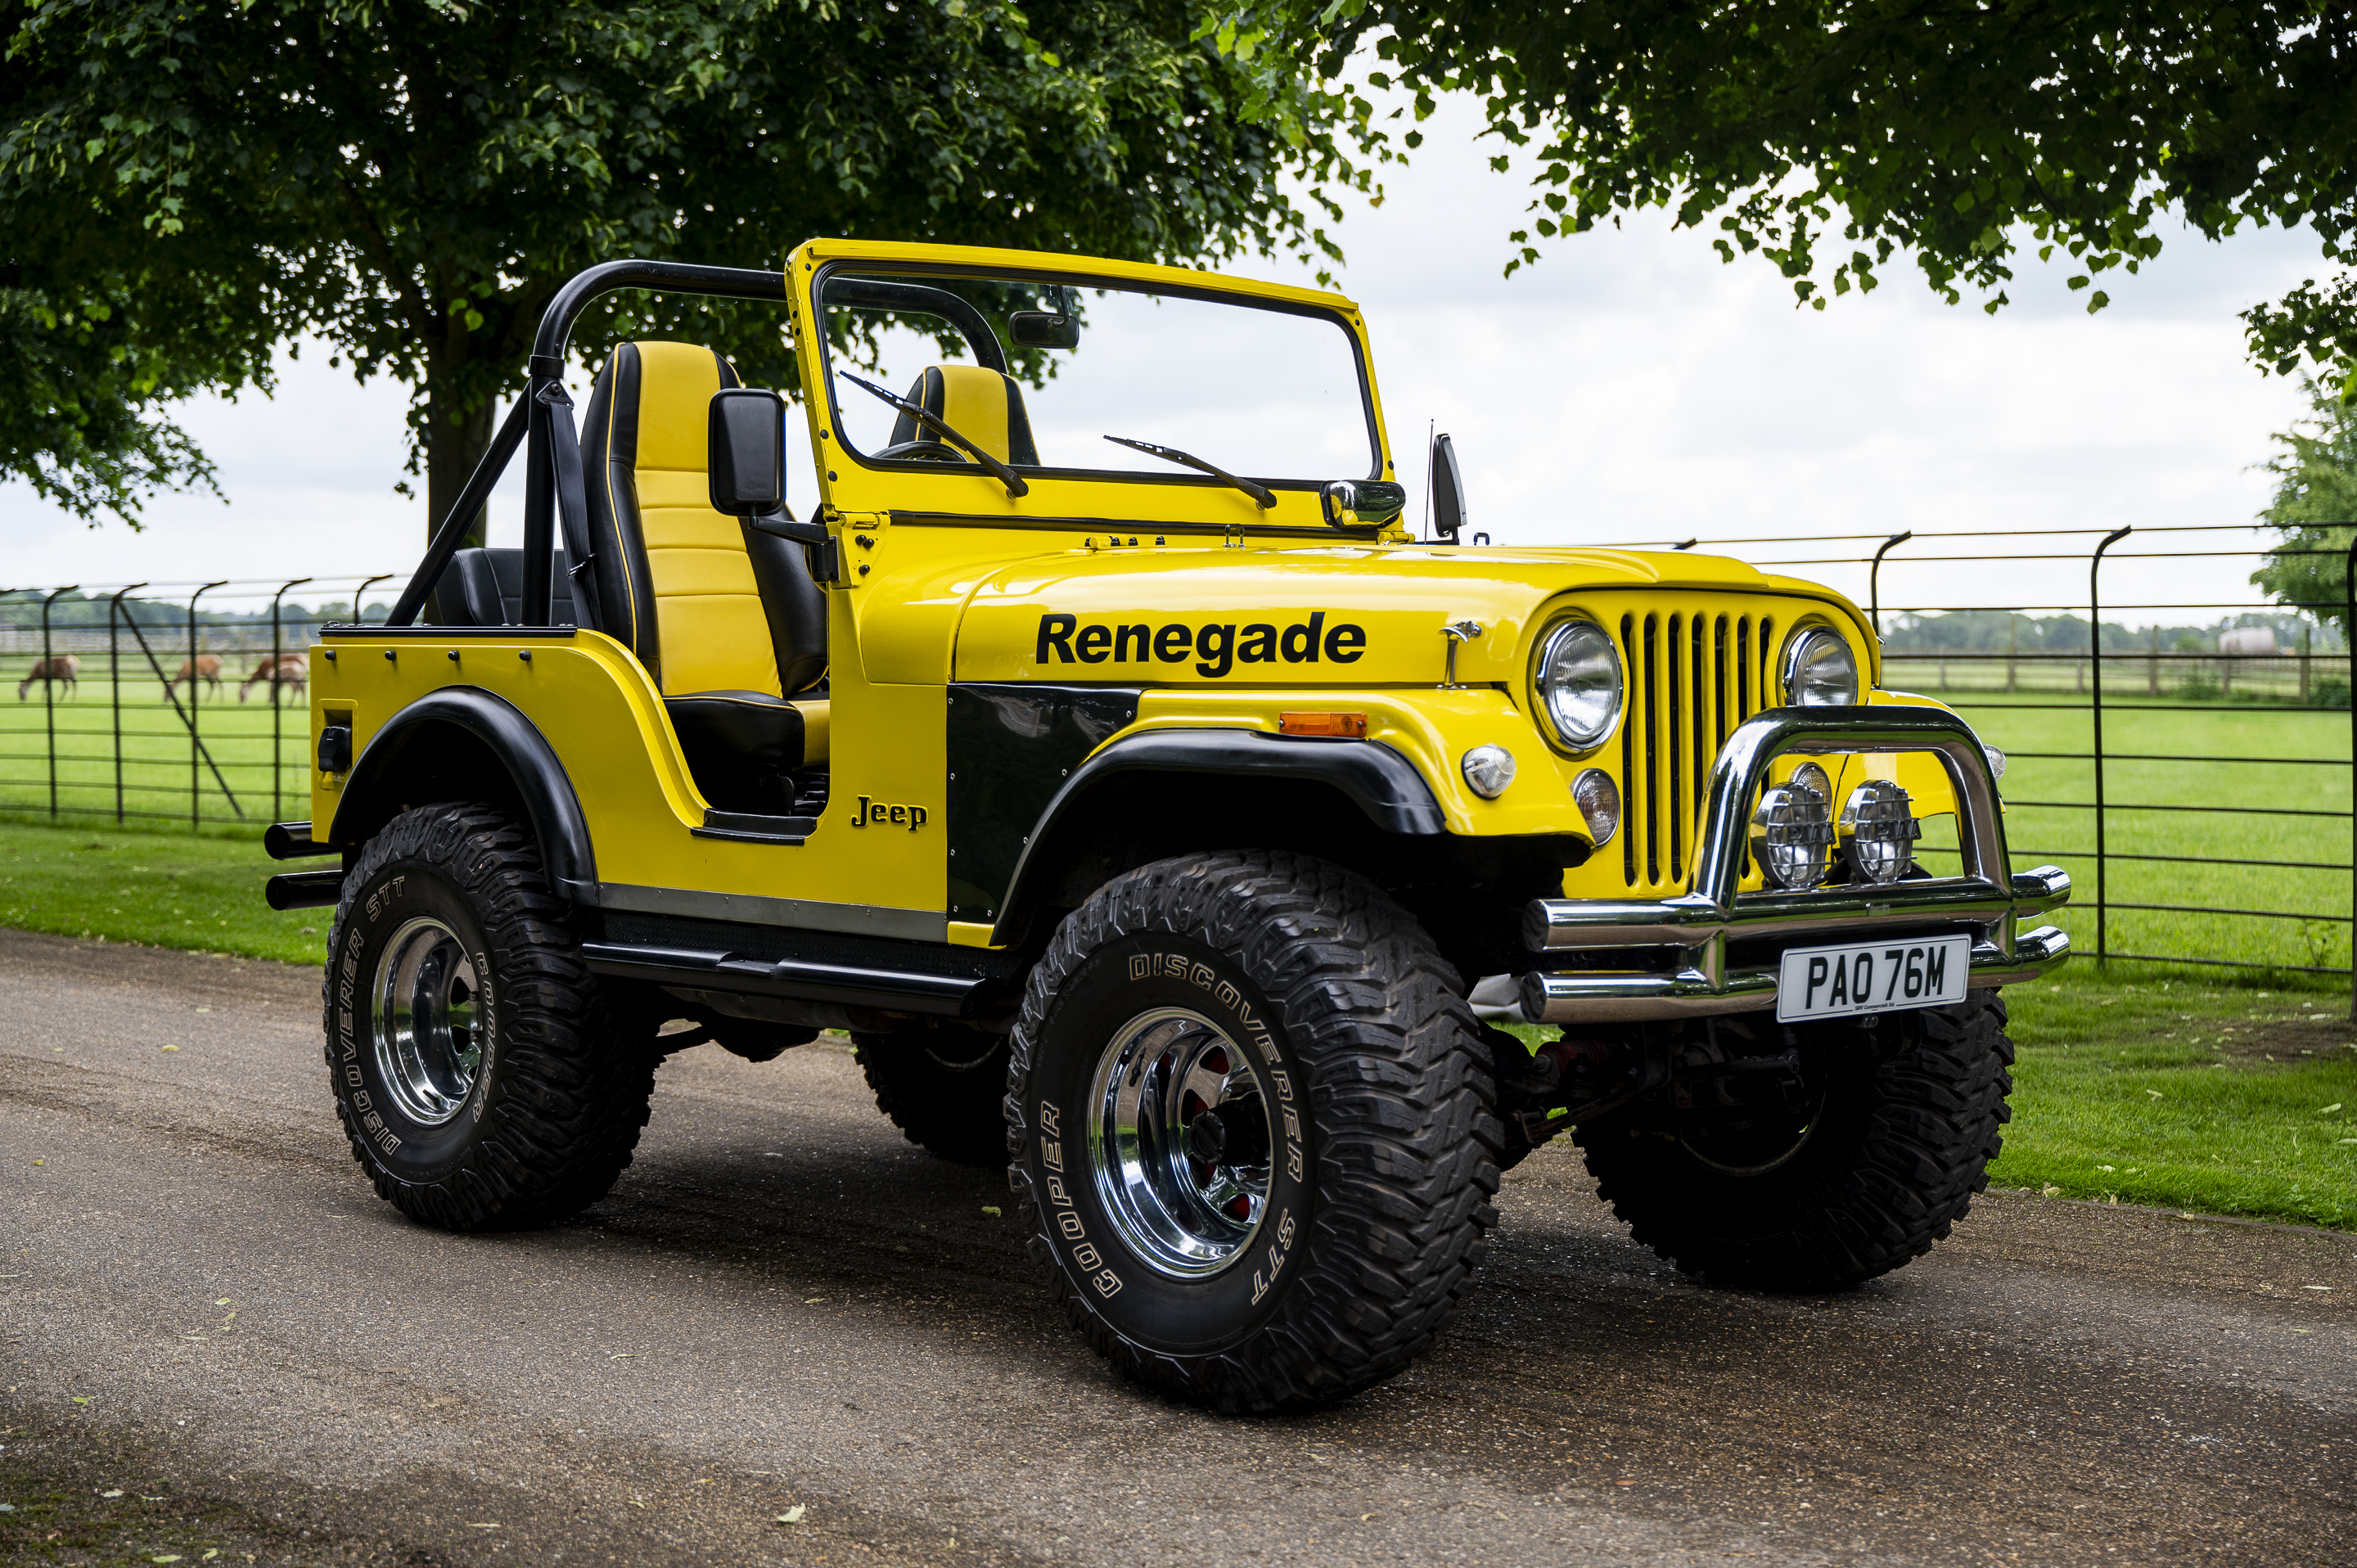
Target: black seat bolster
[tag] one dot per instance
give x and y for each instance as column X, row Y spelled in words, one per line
column 741, row 746
column 485, row 587
column 794, row 604
column 610, row 456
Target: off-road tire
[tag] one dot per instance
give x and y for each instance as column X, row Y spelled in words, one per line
column 1891, row 1165
column 1381, row 1175
column 944, row 1085
column 556, row 1108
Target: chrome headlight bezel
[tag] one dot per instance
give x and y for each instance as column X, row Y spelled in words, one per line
column 1564, row 731
column 1811, row 644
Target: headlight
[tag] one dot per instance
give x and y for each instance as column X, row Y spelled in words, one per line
column 1579, row 683
column 1819, row 672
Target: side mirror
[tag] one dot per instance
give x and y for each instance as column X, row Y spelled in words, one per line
column 1448, row 491
column 747, row 460
column 1361, row 503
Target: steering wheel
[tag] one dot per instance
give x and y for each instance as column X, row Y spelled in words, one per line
column 925, row 450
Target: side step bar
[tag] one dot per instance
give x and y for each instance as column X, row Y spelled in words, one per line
column 849, row 985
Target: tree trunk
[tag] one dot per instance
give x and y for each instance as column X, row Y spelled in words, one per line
column 453, row 449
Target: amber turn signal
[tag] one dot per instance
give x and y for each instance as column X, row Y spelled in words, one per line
column 1344, row 727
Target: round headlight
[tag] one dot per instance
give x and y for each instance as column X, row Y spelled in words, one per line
column 1819, row 672
column 1579, row 683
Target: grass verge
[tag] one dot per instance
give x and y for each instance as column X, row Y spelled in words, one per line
column 2135, row 1083
column 157, row 890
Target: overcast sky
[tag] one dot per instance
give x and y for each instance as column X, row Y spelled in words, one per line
column 1630, row 387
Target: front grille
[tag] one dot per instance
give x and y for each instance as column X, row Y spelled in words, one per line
column 1693, row 678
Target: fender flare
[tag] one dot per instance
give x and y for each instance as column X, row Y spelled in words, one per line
column 531, row 766
column 1377, row 780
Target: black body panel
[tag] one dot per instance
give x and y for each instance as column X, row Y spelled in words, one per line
column 1011, row 748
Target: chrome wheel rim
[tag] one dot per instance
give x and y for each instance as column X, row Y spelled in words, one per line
column 1180, row 1135
column 429, row 1047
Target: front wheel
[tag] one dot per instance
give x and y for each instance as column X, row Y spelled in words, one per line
column 1873, row 1171
column 480, row 1076
column 1254, row 1117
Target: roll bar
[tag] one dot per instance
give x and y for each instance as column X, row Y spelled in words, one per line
column 542, row 421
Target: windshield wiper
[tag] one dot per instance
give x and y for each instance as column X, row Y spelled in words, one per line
column 1259, row 493
column 946, row 431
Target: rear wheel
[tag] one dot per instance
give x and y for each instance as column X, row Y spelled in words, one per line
column 1253, row 1115
column 1876, row 1166
column 478, row 1071
column 944, row 1085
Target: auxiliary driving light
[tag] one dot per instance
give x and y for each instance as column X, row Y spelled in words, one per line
column 1792, row 832
column 1488, row 768
column 1599, row 799
column 1879, row 822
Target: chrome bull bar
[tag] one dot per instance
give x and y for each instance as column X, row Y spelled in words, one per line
column 1985, row 899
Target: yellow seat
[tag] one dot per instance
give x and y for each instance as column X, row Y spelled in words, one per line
column 983, row 405
column 727, row 618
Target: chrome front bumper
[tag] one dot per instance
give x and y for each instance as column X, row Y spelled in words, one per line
column 1689, row 937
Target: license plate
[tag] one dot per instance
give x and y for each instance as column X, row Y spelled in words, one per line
column 1871, row 977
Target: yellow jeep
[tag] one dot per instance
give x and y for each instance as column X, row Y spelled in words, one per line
column 1094, row 741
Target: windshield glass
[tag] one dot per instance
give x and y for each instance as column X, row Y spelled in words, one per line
column 1039, row 373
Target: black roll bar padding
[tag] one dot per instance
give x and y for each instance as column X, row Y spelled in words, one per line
column 454, row 526
column 572, row 507
column 885, row 294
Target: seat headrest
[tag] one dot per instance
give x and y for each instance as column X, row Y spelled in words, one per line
column 659, row 395
column 984, row 406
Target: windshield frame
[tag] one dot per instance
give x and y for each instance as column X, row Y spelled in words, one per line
column 917, row 270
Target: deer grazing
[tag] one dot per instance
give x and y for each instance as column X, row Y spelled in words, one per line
column 283, row 671
column 63, row 667
column 204, row 666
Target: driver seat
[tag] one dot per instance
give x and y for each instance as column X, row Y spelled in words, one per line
column 726, row 620
column 984, row 406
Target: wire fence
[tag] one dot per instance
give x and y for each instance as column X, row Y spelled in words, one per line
column 2196, row 778
column 163, row 702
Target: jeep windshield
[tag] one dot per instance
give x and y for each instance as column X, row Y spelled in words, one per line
column 1039, row 371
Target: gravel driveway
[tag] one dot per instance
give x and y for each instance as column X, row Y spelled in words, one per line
column 785, row 1310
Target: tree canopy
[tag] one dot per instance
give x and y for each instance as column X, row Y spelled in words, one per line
column 2315, row 501
column 412, row 180
column 1829, row 135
